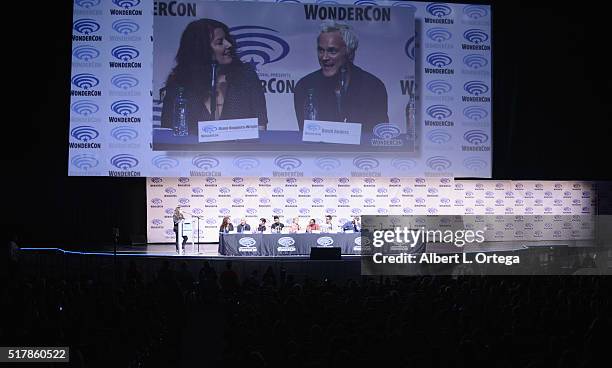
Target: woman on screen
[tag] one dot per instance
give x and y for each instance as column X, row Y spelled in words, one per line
column 209, row 82
column 295, row 226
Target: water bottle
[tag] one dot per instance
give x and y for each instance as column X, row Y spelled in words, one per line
column 179, row 122
column 410, row 113
column 310, row 107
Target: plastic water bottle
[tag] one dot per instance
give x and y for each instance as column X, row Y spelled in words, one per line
column 179, row 122
column 410, row 113
column 310, row 107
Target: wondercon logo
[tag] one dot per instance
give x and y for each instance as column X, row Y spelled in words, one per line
column 224, row 190
column 313, row 128
column 439, row 59
column 211, row 201
column 386, row 130
column 157, row 180
column 125, row 52
column 124, row 133
column 210, row 180
column 85, row 80
column 290, row 200
column 125, row 26
column 475, row 112
column 475, row 61
column 403, row 164
column 475, row 36
column 356, row 191
column 264, row 200
column 304, row 190
column 84, row 133
column 264, row 180
column 438, row 87
column 124, row 161
column 84, row 161
column 438, row 10
column 366, row 163
column 475, row 11
column 183, row 180
column 84, row 107
column 124, row 81
column 325, row 241
column 170, row 190
column 474, row 163
column 317, row 180
column 85, row 52
column 287, row 163
column 343, row 180
column 237, row 200
column 164, row 162
column 126, row 4
column 156, row 201
column 209, row 129
column 304, row 211
column 286, row 241
column 247, row 242
column 277, row 190
column 87, row 4
column 237, row 180
column 157, row 222
column 330, row 190
column 124, row 107
column 257, row 45
column 224, row 211
column 291, row 180
column 439, row 136
column 86, row 26
column 204, row 162
column 327, row 163
column 184, row 201
column 438, row 34
column 251, row 190
column 251, row 211
column 439, row 112
column 438, row 163
column 476, row 88
column 476, row 137
column 246, row 162
column 197, row 190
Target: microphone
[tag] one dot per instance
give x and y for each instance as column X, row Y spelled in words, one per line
column 213, row 90
column 342, row 92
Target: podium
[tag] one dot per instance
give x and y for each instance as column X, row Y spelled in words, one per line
column 185, row 228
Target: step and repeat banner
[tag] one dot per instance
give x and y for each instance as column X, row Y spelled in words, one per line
column 525, row 210
column 409, row 95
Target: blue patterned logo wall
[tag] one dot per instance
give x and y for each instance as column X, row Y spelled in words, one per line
column 305, row 198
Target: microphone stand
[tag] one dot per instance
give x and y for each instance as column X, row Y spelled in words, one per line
column 198, row 217
column 213, row 90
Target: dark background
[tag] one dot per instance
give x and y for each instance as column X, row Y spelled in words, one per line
column 550, row 117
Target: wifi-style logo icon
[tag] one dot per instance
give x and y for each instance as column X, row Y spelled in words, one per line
column 439, row 59
column 124, row 161
column 87, row 4
column 474, row 163
column 125, row 26
column 476, row 88
column 125, row 52
column 476, row 137
column 164, row 162
column 475, row 11
column 403, row 164
column 124, row 107
column 126, row 4
column 365, row 163
column 439, row 10
column 438, row 34
column 246, row 162
column 84, row 162
column 85, row 80
column 475, row 61
column 286, row 162
column 86, row 26
column 439, row 111
column 439, row 87
column 205, row 162
column 84, row 133
column 124, row 133
column 410, row 48
column 439, row 136
column 85, row 52
column 438, row 163
column 257, row 45
column 386, row 131
column 476, row 36
column 475, row 112
column 84, row 107
column 327, row 163
column 124, row 81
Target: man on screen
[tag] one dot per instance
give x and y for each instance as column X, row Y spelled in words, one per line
column 340, row 91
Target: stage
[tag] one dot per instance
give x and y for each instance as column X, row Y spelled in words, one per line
column 106, row 262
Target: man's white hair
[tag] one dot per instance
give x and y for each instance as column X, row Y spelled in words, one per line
column 349, row 38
